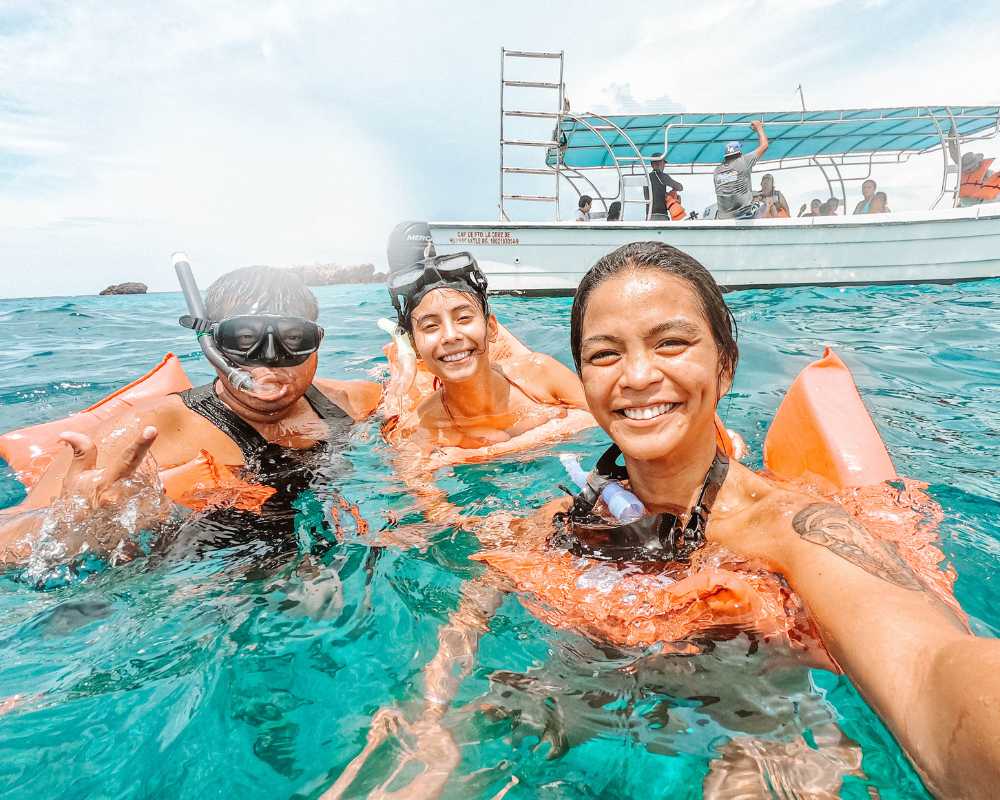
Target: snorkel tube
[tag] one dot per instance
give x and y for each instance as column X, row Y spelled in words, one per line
column 238, row 378
column 401, row 380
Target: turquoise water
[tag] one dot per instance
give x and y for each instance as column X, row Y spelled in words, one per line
column 201, row 677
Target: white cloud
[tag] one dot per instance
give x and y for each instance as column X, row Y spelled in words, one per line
column 138, row 132
column 248, row 131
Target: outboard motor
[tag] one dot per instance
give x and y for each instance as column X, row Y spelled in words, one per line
column 409, row 243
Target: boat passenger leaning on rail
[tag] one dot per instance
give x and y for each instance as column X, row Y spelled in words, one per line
column 653, row 379
column 278, row 430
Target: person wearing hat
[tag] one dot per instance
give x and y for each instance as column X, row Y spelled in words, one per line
column 733, row 188
column 978, row 183
column 659, row 183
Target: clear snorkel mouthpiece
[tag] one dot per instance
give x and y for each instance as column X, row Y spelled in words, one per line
column 238, row 378
column 623, row 505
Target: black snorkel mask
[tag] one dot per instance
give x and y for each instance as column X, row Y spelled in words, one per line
column 270, row 340
column 654, row 538
column 246, row 340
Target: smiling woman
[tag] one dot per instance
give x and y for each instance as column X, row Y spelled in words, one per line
column 480, row 404
column 652, row 379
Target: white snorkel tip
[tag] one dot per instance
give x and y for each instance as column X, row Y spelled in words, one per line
column 180, row 257
column 387, row 325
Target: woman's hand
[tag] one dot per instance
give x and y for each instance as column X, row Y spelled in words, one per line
column 424, row 742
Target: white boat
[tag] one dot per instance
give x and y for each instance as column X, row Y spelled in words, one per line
column 942, row 244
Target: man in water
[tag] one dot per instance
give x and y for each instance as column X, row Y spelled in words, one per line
column 733, row 187
column 660, row 183
column 281, row 431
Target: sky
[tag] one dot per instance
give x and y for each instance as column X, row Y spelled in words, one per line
column 300, row 132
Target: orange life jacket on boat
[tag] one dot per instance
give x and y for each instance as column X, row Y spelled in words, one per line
column 977, row 185
column 674, row 207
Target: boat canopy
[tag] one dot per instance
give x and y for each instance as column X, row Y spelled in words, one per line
column 591, row 141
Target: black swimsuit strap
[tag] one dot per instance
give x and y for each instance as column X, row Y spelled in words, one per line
column 204, row 401
column 324, row 407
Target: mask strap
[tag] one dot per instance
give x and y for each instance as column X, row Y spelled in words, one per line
column 198, row 324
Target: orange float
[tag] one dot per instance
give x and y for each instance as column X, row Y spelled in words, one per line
column 198, row 484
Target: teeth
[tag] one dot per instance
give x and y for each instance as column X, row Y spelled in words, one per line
column 648, row 412
column 457, row 356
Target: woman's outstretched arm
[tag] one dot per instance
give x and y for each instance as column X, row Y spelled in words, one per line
column 934, row 684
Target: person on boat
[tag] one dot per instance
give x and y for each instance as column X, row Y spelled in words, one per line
column 278, row 431
column 733, row 187
column 583, row 208
column 814, row 208
column 772, row 200
column 829, row 208
column 864, row 205
column 615, row 211
column 979, row 184
column 653, row 379
column 662, row 206
column 880, row 204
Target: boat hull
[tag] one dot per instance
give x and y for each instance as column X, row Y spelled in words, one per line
column 910, row 247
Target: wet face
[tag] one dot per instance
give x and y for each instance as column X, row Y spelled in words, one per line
column 452, row 335
column 868, row 189
column 276, row 389
column 649, row 364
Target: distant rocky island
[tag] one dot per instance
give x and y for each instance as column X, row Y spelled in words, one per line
column 130, row 287
column 330, row 274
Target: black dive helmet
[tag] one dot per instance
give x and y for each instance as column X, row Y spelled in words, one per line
column 416, row 269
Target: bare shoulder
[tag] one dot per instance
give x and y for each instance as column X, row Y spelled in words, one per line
column 548, row 379
column 357, row 398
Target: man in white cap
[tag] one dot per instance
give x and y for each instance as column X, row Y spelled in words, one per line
column 660, row 183
column 733, row 187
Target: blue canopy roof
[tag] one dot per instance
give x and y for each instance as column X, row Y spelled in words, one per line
column 700, row 138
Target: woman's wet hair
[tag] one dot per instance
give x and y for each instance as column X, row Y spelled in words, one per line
column 260, row 290
column 657, row 256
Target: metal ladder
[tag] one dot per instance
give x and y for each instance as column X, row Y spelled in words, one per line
column 543, row 141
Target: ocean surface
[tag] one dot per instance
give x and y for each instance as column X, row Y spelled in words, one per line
column 192, row 678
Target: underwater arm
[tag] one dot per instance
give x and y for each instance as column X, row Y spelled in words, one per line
column 934, row 684
column 432, row 745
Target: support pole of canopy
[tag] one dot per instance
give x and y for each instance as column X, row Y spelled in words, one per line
column 840, row 179
column 956, row 192
column 559, row 119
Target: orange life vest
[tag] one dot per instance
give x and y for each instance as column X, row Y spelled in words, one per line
column 976, row 185
column 674, row 207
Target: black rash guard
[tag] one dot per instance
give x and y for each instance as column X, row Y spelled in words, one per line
column 302, row 478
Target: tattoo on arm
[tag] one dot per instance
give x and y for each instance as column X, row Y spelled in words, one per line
column 833, row 528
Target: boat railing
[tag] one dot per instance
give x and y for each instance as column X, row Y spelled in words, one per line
column 849, row 160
